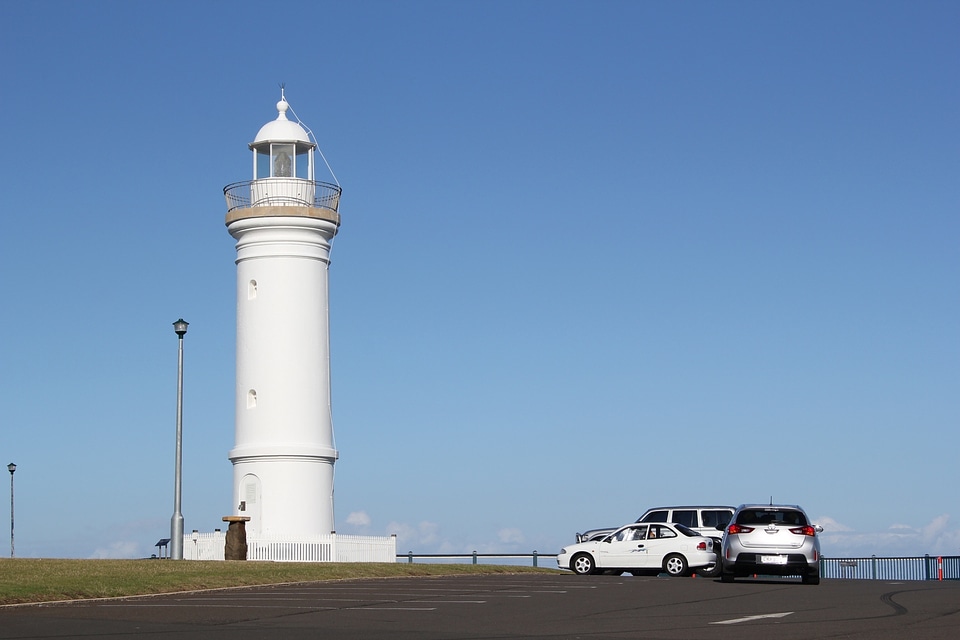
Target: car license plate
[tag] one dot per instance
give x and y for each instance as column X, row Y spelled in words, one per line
column 773, row 559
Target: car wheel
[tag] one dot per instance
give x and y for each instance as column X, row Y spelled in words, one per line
column 713, row 570
column 812, row 578
column 709, row 571
column 675, row 565
column 582, row 564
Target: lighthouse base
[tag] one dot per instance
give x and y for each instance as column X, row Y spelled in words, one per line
column 284, row 495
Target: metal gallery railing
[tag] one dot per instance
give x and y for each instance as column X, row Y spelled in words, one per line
column 287, row 192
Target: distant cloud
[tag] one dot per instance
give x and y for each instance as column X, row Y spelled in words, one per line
column 510, row 536
column 359, row 519
column 119, row 550
column 940, row 537
column 829, row 524
column 934, row 538
column 427, row 537
column 424, row 535
column 133, row 539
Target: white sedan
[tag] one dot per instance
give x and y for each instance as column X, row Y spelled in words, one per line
column 641, row 548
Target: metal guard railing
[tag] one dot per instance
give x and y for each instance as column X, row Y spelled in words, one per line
column 872, row 568
column 906, row 568
column 535, row 556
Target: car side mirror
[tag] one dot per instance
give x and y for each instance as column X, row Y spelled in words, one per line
column 721, row 527
column 818, row 528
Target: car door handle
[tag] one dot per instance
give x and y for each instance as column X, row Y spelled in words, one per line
column 639, row 546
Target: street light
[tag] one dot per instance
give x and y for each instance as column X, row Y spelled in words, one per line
column 176, row 522
column 11, row 468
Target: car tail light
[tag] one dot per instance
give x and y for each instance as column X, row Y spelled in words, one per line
column 805, row 531
column 739, row 528
column 702, row 546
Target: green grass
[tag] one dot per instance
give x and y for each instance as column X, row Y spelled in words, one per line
column 42, row 580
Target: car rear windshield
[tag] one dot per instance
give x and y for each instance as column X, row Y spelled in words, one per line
column 772, row 516
column 655, row 516
column 687, row 531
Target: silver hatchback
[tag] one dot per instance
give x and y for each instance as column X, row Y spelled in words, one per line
column 771, row 540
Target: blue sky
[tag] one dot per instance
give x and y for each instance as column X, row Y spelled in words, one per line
column 594, row 258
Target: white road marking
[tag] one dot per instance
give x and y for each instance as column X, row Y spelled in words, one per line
column 752, row 618
column 184, row 605
column 390, row 609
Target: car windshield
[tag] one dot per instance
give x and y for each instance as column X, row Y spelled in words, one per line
column 687, row 531
column 772, row 516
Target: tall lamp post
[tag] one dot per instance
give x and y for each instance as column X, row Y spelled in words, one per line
column 176, row 522
column 11, row 468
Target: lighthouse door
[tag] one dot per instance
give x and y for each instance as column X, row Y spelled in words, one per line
column 250, row 502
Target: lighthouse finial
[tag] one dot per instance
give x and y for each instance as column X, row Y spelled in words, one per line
column 283, row 105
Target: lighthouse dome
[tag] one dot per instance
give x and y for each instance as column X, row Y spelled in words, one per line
column 281, row 129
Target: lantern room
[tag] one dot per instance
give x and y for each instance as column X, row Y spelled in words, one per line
column 282, row 163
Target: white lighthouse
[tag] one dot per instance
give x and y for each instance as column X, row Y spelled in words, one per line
column 284, row 223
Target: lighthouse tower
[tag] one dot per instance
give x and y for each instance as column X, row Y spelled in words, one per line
column 284, row 223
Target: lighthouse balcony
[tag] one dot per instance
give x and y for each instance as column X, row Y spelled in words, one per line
column 282, row 192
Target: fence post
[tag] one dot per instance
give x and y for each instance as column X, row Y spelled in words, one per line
column 409, row 557
column 873, row 568
column 534, row 557
column 474, row 556
column 926, row 566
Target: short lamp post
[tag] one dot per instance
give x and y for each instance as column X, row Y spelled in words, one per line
column 176, row 522
column 11, row 468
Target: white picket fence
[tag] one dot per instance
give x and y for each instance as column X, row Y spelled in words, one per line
column 334, row 547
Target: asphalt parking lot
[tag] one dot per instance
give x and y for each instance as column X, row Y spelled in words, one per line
column 513, row 606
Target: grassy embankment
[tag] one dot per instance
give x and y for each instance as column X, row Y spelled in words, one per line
column 42, row 580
